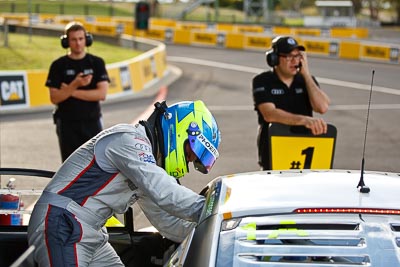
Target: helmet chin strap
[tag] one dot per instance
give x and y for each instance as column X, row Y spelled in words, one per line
column 154, row 132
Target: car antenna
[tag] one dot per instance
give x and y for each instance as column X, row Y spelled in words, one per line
column 361, row 185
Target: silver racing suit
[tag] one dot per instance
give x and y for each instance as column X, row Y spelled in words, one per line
column 104, row 176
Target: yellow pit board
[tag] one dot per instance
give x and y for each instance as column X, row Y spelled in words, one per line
column 300, row 149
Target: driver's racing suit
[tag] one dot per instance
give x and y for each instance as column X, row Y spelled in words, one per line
column 104, row 176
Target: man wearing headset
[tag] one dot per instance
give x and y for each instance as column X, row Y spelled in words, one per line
column 77, row 83
column 119, row 166
column 287, row 94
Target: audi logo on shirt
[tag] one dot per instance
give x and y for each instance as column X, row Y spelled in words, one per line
column 277, row 91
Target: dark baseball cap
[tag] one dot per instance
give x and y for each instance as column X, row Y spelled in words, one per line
column 285, row 45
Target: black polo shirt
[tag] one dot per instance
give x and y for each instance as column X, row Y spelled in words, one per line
column 267, row 87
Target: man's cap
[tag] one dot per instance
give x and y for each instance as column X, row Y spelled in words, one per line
column 285, row 45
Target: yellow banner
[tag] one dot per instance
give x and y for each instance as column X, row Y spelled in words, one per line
column 105, row 29
column 204, row 38
column 158, row 34
column 257, row 42
column 309, row 32
column 182, row 37
column 38, row 93
column 118, row 81
column 375, row 52
column 234, row 40
column 319, row 47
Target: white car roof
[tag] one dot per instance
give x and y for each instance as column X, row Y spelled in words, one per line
column 284, row 191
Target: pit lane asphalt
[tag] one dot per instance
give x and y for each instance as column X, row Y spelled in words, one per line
column 28, row 140
column 223, row 81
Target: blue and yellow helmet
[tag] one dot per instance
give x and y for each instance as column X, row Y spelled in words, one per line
column 189, row 121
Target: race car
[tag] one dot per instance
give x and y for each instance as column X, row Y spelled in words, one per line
column 271, row 218
column 297, row 218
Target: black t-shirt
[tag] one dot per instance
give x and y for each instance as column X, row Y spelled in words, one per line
column 64, row 70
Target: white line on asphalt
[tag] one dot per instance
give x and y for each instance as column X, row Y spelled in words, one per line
column 359, row 86
column 332, row 107
column 214, row 64
column 258, row 70
column 364, row 107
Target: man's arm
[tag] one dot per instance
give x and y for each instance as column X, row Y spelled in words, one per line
column 272, row 114
column 65, row 91
column 98, row 94
column 170, row 226
column 71, row 90
column 101, row 79
column 319, row 99
column 59, row 95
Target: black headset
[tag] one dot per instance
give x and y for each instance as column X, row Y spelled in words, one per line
column 64, row 37
column 272, row 54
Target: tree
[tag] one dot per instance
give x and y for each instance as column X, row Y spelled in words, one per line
column 373, row 6
column 376, row 5
column 396, row 6
column 357, row 6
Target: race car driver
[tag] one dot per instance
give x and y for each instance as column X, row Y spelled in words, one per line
column 121, row 165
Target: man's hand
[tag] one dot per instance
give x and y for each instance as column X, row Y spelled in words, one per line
column 82, row 79
column 316, row 125
column 304, row 70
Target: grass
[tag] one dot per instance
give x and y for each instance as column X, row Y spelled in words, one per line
column 37, row 52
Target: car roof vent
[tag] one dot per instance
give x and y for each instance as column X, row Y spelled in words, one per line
column 300, row 260
column 289, row 251
column 341, row 241
column 396, row 228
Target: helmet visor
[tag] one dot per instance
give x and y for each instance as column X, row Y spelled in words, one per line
column 203, row 148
